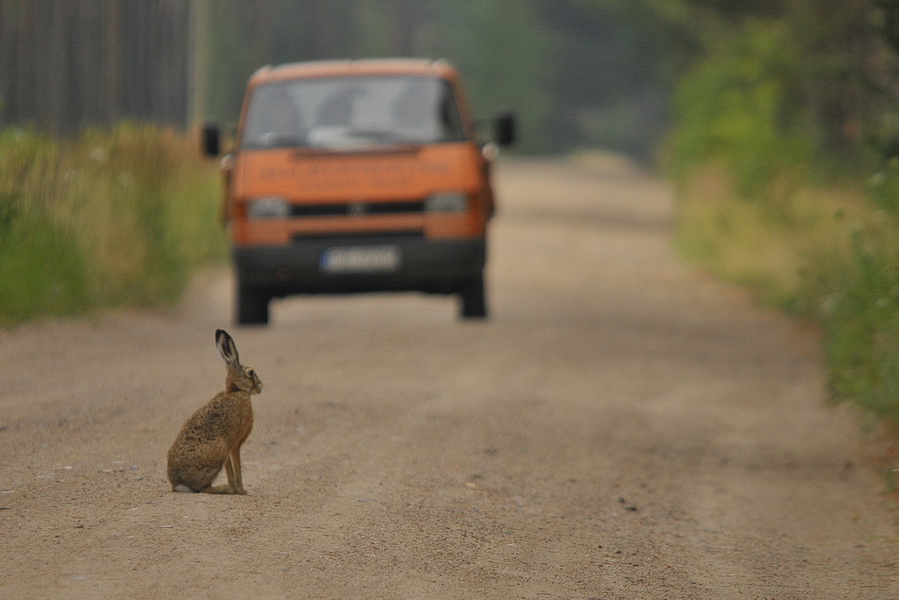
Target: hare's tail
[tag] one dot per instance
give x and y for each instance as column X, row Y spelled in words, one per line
column 183, row 489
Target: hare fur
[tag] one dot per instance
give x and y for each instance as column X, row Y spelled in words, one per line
column 212, row 436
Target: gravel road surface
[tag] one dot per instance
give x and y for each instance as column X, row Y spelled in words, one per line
column 622, row 427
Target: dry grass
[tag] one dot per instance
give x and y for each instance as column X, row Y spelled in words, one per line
column 826, row 253
column 114, row 217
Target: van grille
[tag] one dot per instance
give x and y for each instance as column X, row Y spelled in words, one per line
column 355, row 209
column 338, row 239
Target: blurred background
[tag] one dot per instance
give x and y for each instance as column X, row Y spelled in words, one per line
column 776, row 122
column 579, row 74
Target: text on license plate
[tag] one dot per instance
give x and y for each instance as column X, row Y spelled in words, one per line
column 360, row 259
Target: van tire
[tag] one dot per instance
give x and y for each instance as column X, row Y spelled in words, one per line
column 473, row 304
column 252, row 306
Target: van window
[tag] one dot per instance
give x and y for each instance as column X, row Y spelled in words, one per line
column 351, row 112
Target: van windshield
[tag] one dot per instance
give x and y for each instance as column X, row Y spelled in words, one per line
column 352, row 112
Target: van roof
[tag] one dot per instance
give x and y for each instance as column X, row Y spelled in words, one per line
column 333, row 68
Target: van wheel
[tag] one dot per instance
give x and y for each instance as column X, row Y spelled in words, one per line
column 473, row 303
column 252, row 306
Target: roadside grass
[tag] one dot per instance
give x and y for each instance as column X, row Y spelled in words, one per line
column 828, row 253
column 117, row 217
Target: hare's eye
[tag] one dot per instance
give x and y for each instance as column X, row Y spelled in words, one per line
column 251, row 373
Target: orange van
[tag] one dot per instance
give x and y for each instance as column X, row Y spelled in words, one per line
column 358, row 176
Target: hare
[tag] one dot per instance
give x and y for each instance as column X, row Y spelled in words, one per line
column 213, row 435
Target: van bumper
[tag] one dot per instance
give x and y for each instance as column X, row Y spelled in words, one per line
column 439, row 267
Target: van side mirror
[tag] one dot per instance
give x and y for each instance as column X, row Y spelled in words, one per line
column 504, row 130
column 211, row 140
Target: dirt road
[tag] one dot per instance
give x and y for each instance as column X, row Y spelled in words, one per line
column 622, row 428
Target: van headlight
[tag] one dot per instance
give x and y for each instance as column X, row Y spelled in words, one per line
column 452, row 202
column 268, row 208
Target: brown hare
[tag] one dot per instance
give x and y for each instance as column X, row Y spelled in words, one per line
column 213, row 435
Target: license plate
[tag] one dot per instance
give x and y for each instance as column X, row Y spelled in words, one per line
column 360, row 259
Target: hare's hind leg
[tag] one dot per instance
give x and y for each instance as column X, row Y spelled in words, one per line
column 220, row 489
column 223, row 489
column 228, row 488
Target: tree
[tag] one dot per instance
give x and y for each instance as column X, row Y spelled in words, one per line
column 69, row 64
column 575, row 71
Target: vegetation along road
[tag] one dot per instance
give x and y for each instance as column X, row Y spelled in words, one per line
column 622, row 427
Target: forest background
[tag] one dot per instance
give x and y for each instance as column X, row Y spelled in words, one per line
column 776, row 120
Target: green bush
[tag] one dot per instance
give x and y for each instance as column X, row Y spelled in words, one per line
column 112, row 218
column 834, row 260
column 735, row 107
column 754, row 208
column 861, row 319
column 42, row 270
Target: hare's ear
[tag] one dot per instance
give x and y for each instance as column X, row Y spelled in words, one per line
column 226, row 347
